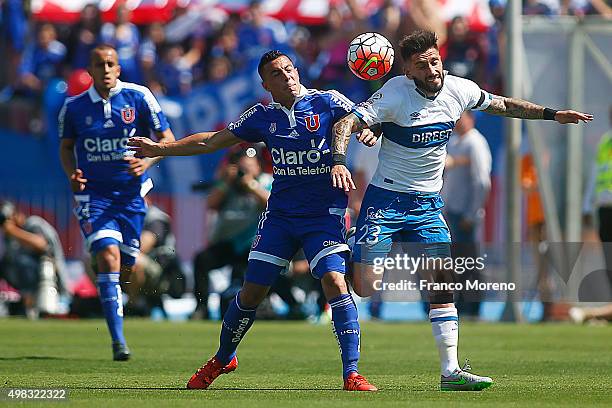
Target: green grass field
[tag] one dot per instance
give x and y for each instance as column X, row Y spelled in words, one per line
column 297, row 364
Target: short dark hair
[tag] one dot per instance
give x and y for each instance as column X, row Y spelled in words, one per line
column 417, row 42
column 269, row 57
column 100, row 47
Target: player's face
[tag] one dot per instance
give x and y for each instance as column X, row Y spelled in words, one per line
column 425, row 69
column 281, row 79
column 104, row 68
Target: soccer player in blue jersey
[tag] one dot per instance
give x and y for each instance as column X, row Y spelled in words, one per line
column 108, row 183
column 417, row 112
column 303, row 211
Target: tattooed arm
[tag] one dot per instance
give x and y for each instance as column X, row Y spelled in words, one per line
column 521, row 109
column 342, row 131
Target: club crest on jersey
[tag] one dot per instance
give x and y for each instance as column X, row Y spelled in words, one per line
column 313, row 123
column 273, row 127
column 128, row 114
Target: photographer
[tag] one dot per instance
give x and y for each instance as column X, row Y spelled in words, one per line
column 239, row 196
column 33, row 260
column 158, row 269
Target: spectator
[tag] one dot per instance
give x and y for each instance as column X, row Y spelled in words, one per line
column 387, row 20
column 150, row 47
column 84, row 37
column 536, row 7
column 598, row 197
column 239, row 197
column 157, row 270
column 258, row 33
column 465, row 191
column 13, row 28
column 466, row 51
column 124, row 37
column 219, row 69
column 175, row 71
column 42, row 61
column 334, row 48
column 33, row 261
column 305, row 51
column 226, row 44
column 536, row 233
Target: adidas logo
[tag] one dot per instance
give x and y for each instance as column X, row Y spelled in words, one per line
column 292, row 135
column 108, row 124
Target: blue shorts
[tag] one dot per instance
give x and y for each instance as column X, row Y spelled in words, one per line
column 104, row 223
column 410, row 218
column 279, row 237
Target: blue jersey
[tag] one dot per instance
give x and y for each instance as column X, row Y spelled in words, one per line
column 101, row 128
column 299, row 140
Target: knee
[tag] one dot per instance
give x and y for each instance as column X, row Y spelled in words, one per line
column 251, row 297
column 334, row 281
column 108, row 259
column 363, row 280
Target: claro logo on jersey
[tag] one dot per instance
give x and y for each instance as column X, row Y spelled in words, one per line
column 105, row 149
column 303, row 159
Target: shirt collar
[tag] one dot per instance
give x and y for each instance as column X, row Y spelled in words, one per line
column 95, row 96
column 299, row 97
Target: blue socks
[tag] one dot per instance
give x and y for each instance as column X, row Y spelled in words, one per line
column 345, row 325
column 112, row 304
column 236, row 322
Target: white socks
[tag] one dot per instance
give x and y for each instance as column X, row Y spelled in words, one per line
column 445, row 329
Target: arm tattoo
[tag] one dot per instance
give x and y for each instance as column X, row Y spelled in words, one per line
column 342, row 132
column 515, row 108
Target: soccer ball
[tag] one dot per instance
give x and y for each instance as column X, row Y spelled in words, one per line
column 370, row 56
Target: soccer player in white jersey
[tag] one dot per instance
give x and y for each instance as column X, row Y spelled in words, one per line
column 417, row 112
column 108, row 184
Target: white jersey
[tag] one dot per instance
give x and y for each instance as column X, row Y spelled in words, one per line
column 416, row 130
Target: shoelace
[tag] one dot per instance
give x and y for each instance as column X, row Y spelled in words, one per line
column 209, row 378
column 467, row 366
column 359, row 379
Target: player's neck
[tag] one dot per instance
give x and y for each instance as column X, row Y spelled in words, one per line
column 426, row 93
column 103, row 92
column 286, row 103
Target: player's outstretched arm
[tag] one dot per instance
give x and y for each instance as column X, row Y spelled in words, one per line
column 137, row 165
column 342, row 130
column 521, row 109
column 198, row 143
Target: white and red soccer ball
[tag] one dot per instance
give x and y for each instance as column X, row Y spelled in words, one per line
column 370, row 56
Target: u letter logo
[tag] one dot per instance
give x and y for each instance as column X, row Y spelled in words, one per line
column 313, row 123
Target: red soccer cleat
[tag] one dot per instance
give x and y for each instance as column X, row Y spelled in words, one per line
column 357, row 382
column 209, row 371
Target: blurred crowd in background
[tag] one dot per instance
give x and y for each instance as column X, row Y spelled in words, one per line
column 208, row 44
